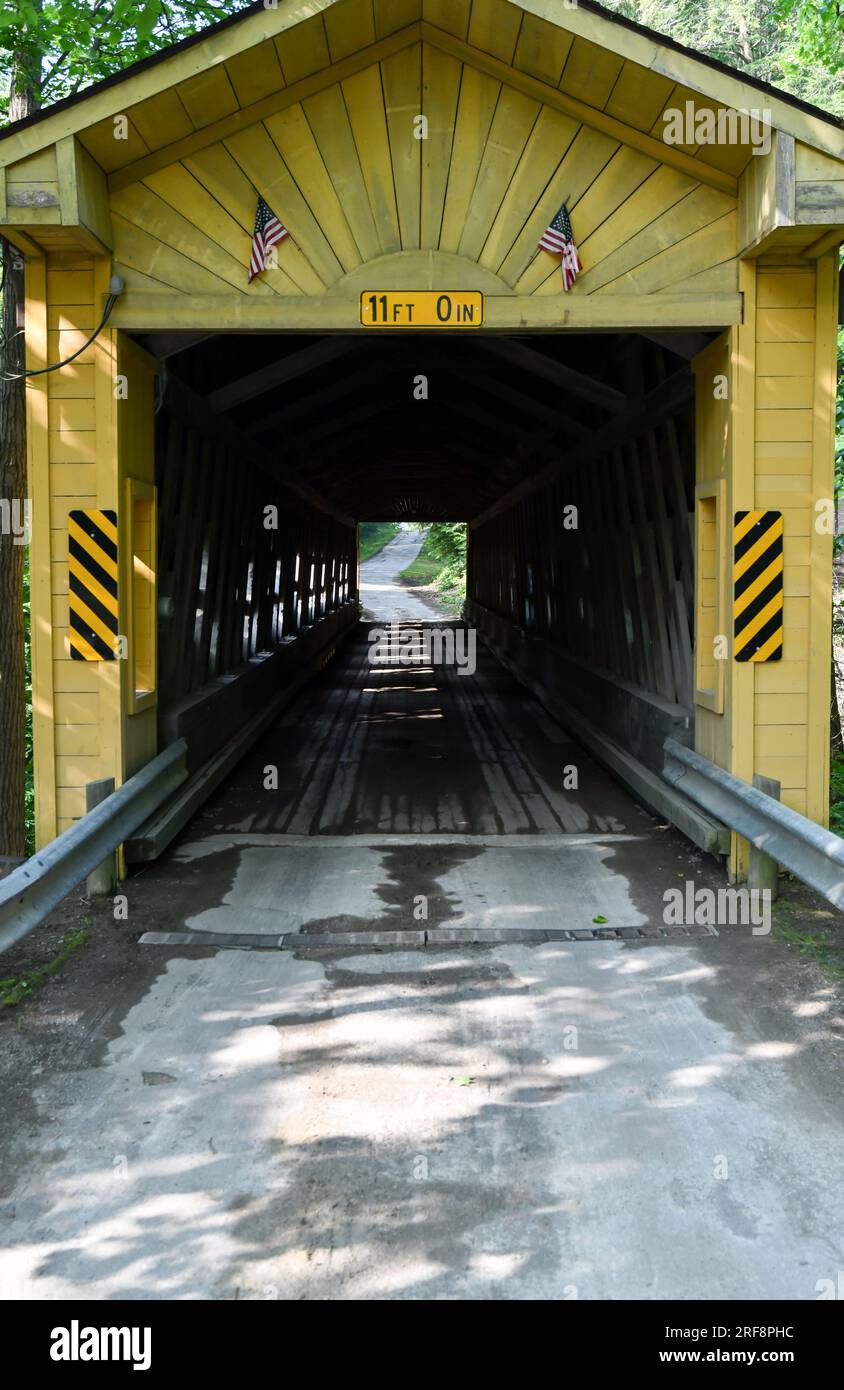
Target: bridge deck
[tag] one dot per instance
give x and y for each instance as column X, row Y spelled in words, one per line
column 380, row 747
column 522, row 1119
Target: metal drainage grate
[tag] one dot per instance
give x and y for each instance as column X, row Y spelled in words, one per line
column 413, row 940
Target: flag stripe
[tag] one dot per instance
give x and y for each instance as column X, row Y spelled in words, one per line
column 558, row 238
column 269, row 231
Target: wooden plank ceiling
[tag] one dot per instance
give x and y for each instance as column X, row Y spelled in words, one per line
column 341, row 415
column 521, row 115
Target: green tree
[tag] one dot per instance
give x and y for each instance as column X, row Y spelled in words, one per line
column 794, row 44
column 50, row 49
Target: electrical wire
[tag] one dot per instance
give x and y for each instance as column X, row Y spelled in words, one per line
column 54, row 366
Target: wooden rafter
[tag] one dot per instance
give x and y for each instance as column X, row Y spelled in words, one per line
column 195, row 410
column 274, row 374
column 664, row 399
column 575, row 382
column 164, row 345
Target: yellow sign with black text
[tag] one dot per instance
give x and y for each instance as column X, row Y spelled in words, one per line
column 421, row 308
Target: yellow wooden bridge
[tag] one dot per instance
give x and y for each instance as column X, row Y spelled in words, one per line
column 612, row 447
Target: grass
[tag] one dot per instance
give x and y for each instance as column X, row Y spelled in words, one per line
column 423, row 570
column 821, row 941
column 446, row 576
column 825, row 948
column 14, row 991
column 374, row 535
column 836, row 794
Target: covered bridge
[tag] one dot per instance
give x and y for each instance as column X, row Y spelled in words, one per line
column 626, row 452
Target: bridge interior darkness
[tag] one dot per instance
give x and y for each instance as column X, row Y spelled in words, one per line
column 571, row 458
column 422, row 427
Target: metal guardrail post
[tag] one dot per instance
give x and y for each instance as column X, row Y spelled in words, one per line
column 809, row 851
column 763, row 872
column 30, row 893
column 103, row 879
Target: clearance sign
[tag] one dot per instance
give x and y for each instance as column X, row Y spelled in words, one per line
column 421, row 308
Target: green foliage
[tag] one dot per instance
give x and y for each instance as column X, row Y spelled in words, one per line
column 813, row 33
column 794, row 44
column 836, row 794
column 58, row 47
column 374, row 535
column 446, row 542
column 442, row 561
column 14, row 990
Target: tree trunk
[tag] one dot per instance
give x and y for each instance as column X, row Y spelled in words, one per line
column 745, row 48
column 13, row 540
column 14, row 536
column 837, row 683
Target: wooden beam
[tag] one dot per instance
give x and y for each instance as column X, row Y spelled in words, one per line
column 830, row 241
column 295, row 364
column 686, row 345
column 590, row 116
column 164, row 345
column 117, row 95
column 456, row 444
column 337, row 422
column 194, row 411
column 141, row 311
column 505, row 394
column 558, row 373
column 688, row 70
column 666, row 399
column 447, row 364
column 267, row 106
column 83, row 194
column 766, row 194
column 166, row 71
column 315, row 401
column 497, row 423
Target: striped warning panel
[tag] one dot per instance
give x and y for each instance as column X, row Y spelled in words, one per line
column 92, row 584
column 757, row 595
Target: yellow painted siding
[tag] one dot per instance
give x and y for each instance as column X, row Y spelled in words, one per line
column 773, row 446
column 713, row 443
column 83, row 442
column 135, row 455
column 72, row 445
column 344, row 170
column 783, row 433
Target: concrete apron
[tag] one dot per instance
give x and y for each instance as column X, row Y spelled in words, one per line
column 591, row 1121
column 264, row 885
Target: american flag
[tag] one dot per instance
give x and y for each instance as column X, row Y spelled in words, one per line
column 558, row 238
column 267, row 234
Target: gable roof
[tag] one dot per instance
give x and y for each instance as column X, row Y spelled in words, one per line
column 655, row 51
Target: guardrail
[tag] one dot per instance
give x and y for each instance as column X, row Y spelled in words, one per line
column 34, row 889
column 812, row 854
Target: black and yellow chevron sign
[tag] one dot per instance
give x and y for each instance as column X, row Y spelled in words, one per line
column 757, row 594
column 92, row 584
